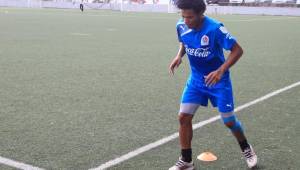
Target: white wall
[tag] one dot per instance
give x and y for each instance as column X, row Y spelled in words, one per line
column 279, row 1
column 157, row 8
column 253, row 10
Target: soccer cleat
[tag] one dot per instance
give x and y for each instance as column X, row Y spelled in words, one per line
column 250, row 157
column 181, row 165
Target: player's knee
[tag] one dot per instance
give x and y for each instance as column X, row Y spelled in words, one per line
column 232, row 122
column 234, row 126
column 229, row 124
column 185, row 119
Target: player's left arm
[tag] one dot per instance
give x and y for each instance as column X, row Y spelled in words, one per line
column 235, row 54
column 215, row 76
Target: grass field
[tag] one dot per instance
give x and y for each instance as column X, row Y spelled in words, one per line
column 80, row 89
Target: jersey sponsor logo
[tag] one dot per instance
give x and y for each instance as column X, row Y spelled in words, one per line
column 197, row 52
column 204, row 40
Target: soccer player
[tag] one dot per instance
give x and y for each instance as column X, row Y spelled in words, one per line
column 81, row 5
column 203, row 40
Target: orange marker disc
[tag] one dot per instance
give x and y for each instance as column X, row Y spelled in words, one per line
column 207, row 157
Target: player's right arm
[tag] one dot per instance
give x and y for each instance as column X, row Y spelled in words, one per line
column 178, row 59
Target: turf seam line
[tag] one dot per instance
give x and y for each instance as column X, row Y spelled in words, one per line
column 18, row 165
column 162, row 141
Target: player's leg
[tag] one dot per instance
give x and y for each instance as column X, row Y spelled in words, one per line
column 226, row 108
column 186, row 113
column 185, row 135
column 81, row 7
column 191, row 100
column 230, row 120
column 185, row 130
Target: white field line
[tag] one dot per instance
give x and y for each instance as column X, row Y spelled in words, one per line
column 19, row 165
column 79, row 34
column 162, row 141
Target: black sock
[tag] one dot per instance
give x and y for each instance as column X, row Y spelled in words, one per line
column 186, row 155
column 244, row 145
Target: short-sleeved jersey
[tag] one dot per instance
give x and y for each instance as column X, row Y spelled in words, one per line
column 204, row 47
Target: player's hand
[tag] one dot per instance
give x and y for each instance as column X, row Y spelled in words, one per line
column 212, row 78
column 174, row 64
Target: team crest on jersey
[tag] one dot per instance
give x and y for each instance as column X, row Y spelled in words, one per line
column 204, row 40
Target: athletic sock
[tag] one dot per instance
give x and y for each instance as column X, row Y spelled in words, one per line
column 186, row 155
column 244, row 145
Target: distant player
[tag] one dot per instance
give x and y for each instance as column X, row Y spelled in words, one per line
column 203, row 40
column 81, row 5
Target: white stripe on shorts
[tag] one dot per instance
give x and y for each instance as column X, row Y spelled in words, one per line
column 188, row 108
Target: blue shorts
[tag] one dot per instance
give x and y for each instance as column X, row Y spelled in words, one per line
column 221, row 96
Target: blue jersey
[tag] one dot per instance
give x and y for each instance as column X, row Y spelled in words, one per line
column 204, row 48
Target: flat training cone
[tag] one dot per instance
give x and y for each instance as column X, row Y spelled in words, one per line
column 207, row 157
